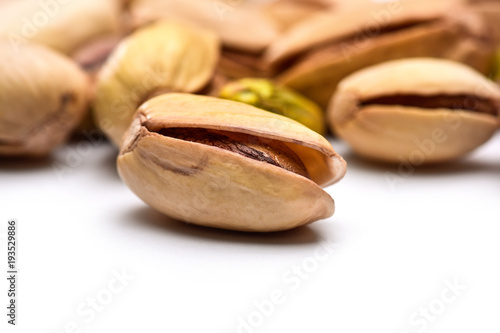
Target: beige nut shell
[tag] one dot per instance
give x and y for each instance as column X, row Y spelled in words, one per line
column 240, row 26
column 317, row 30
column 165, row 55
column 63, row 25
column 217, row 188
column 43, row 96
column 396, row 133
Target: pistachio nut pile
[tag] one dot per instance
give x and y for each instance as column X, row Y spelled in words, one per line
column 218, row 110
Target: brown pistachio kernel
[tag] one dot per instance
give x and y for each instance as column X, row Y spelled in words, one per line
column 259, row 149
column 458, row 102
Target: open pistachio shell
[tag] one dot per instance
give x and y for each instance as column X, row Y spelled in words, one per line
column 226, row 164
column 161, row 57
column 320, row 51
column 418, row 111
column 43, row 96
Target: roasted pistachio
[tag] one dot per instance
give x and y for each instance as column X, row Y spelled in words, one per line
column 269, row 96
column 63, row 25
column 43, row 96
column 318, row 52
column 161, row 57
column 417, row 110
column 226, row 164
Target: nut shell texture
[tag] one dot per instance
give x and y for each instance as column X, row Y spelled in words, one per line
column 242, row 27
column 61, row 25
column 214, row 187
column 164, row 56
column 43, row 96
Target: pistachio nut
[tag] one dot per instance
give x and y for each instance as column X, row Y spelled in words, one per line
column 237, row 62
column 226, row 164
column 317, row 53
column 161, row 57
column 490, row 11
column 43, row 96
column 230, row 22
column 418, row 110
column 269, row 96
column 62, row 25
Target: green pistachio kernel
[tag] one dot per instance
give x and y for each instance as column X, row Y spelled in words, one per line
column 269, row 96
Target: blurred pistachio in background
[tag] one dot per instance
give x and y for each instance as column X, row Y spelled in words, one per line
column 269, row 96
column 496, row 67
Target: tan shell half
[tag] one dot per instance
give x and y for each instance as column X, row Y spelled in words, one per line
column 397, row 133
column 163, row 56
column 330, row 46
column 43, row 96
column 214, row 187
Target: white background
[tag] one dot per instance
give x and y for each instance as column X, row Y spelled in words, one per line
column 391, row 250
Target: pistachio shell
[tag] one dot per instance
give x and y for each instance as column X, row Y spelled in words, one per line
column 62, row 25
column 420, row 110
column 490, row 11
column 215, row 187
column 269, row 96
column 317, row 30
column 317, row 53
column 43, row 95
column 286, row 13
column 230, row 22
column 163, row 56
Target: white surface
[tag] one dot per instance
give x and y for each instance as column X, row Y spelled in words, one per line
column 392, row 250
